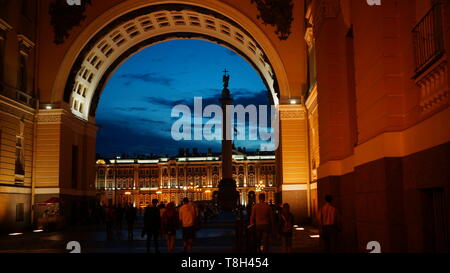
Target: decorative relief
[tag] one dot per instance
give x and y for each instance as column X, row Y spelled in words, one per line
column 323, row 9
column 292, row 112
column 49, row 118
column 329, row 8
column 434, row 88
column 277, row 13
column 64, row 17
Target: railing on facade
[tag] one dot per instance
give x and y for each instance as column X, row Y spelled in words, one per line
column 17, row 95
column 428, row 39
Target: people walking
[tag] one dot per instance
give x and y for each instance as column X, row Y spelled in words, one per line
column 119, row 219
column 287, row 227
column 262, row 218
column 329, row 222
column 130, row 215
column 152, row 225
column 109, row 220
column 162, row 208
column 188, row 217
column 170, row 225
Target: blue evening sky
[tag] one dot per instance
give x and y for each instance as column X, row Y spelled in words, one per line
column 136, row 104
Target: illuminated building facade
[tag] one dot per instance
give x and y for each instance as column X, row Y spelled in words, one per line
column 17, row 111
column 138, row 181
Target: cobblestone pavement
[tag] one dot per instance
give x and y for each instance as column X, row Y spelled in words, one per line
column 217, row 236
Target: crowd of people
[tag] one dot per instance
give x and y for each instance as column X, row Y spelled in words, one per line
column 268, row 221
column 160, row 220
column 261, row 224
column 264, row 222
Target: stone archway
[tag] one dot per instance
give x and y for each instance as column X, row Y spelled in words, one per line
column 128, row 27
column 117, row 33
column 144, row 27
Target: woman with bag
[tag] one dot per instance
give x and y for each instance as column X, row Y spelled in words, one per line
column 170, row 225
column 287, row 228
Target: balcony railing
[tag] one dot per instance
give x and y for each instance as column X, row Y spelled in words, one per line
column 428, row 39
column 17, row 95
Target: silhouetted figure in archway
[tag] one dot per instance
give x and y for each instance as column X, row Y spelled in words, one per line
column 262, row 218
column 329, row 222
column 130, row 215
column 152, row 225
column 109, row 220
column 286, row 227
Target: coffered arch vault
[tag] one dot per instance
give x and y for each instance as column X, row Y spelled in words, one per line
column 145, row 26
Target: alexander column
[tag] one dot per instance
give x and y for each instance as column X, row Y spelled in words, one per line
column 228, row 195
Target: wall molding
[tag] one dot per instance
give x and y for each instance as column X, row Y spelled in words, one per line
column 294, row 187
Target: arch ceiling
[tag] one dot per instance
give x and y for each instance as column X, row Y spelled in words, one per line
column 144, row 27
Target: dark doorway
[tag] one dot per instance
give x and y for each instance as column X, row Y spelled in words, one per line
column 436, row 235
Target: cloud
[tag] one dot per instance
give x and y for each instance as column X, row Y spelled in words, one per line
column 131, row 109
column 117, row 137
column 151, row 121
column 164, row 102
column 241, row 96
column 248, row 97
column 148, row 78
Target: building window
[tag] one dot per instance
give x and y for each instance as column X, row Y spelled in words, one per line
column 19, row 165
column 251, row 181
column 22, row 77
column 20, row 212
column 241, row 180
column 25, row 8
column 428, row 37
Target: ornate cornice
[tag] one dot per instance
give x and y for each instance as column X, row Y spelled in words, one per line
column 277, row 13
column 64, row 17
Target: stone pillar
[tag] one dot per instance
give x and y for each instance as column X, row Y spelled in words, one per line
column 65, row 158
column 294, row 159
column 228, row 196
